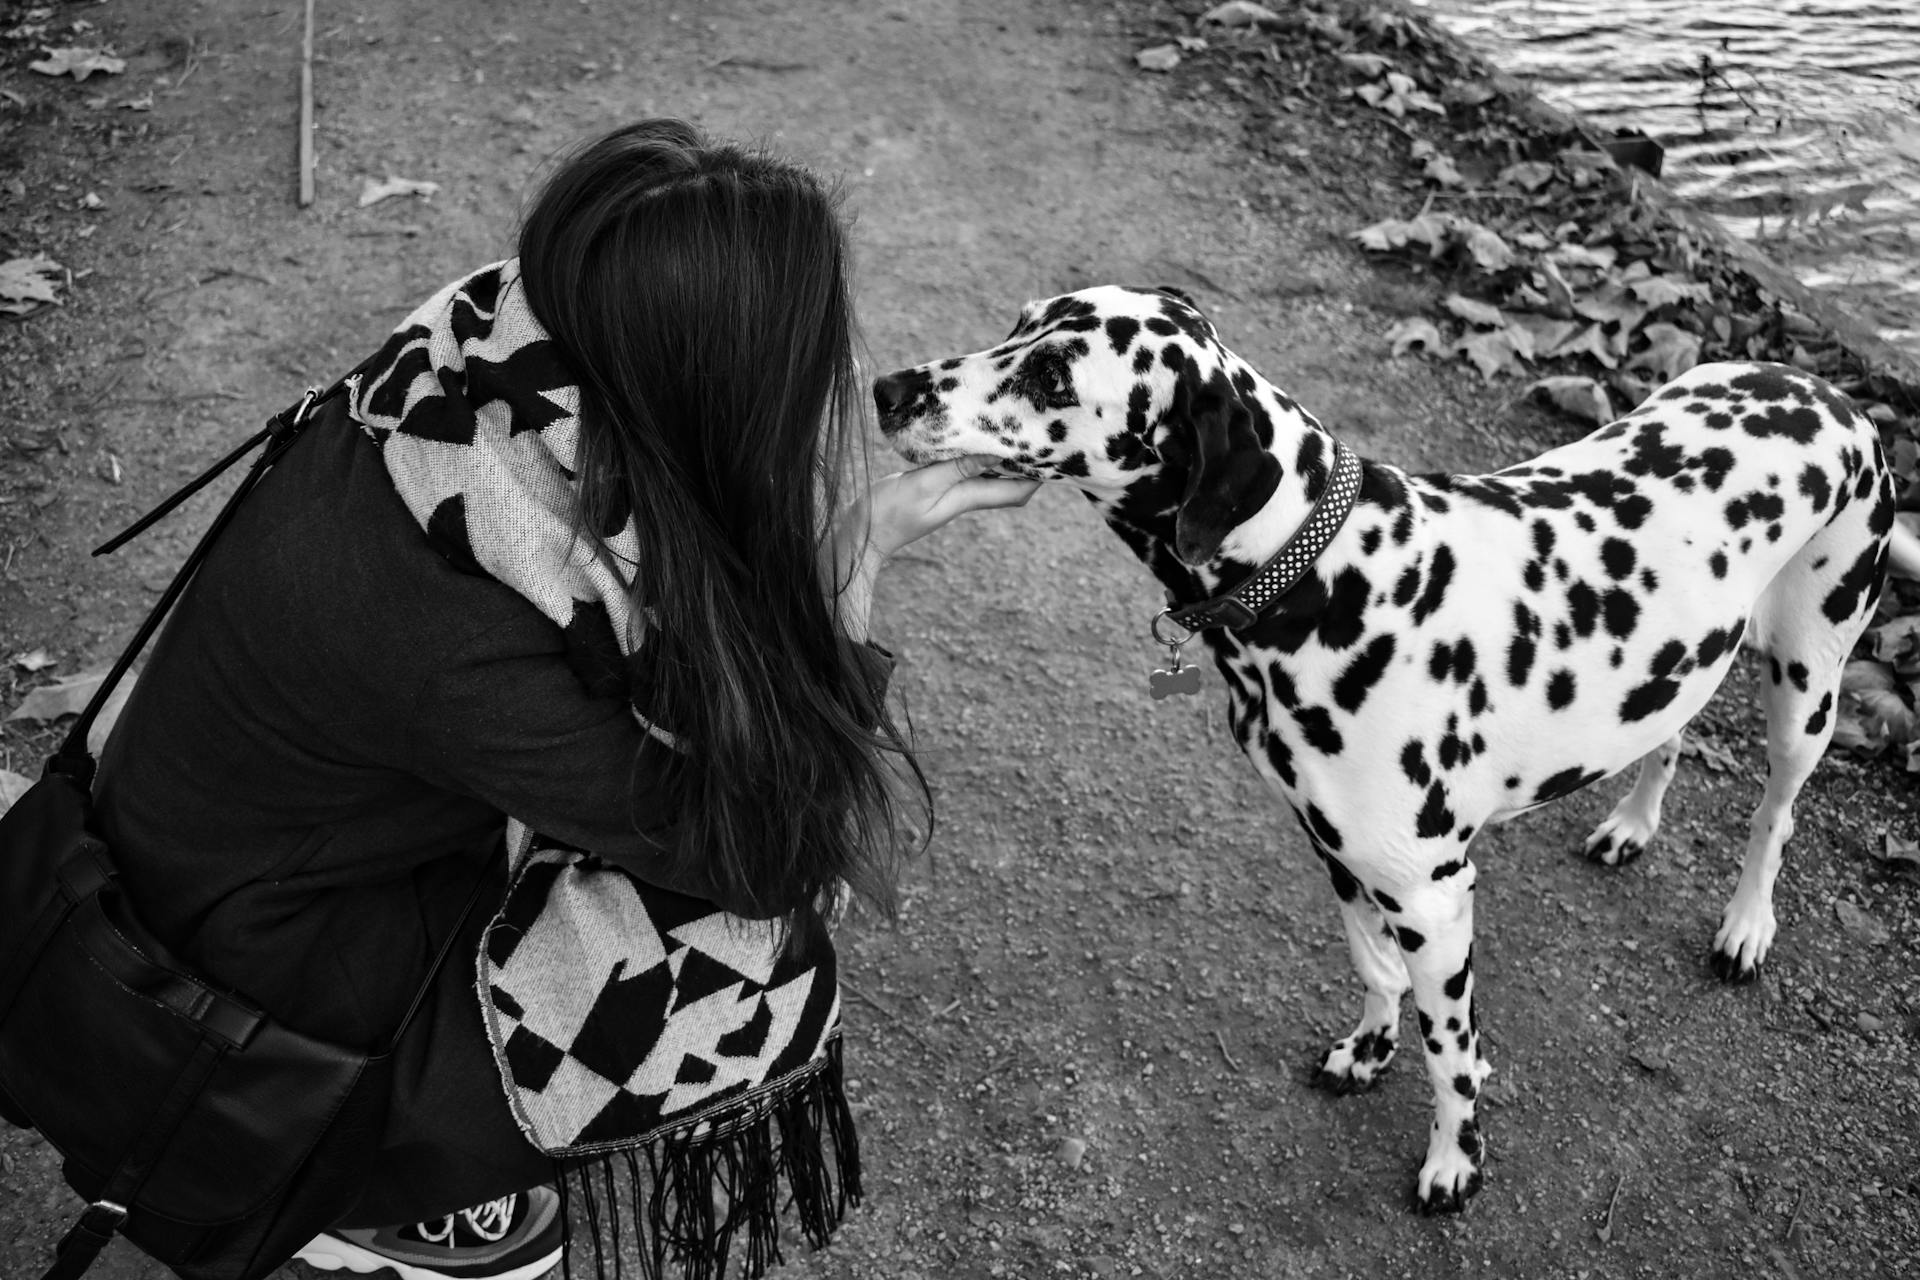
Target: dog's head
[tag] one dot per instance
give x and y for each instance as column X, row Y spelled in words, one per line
column 1125, row 393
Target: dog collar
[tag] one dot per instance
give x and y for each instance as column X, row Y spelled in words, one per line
column 1247, row 603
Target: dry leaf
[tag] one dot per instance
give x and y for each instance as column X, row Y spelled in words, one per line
column 61, row 698
column 1437, row 166
column 1884, row 714
column 1367, row 64
column 1901, row 855
column 26, row 283
column 1415, row 332
column 1670, row 352
column 1592, row 341
column 1492, row 353
column 1661, row 291
column 36, row 660
column 1580, row 255
column 374, row 192
column 1240, row 13
column 1861, row 675
column 1529, row 175
column 1162, row 57
column 78, row 63
column 1612, row 302
column 1490, row 252
column 12, row 787
column 1476, row 313
column 1396, row 233
column 1543, row 332
column 1858, row 923
column 1583, row 398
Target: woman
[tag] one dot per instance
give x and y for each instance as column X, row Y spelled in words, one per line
column 394, row 649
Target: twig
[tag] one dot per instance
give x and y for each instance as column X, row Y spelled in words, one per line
column 894, row 1015
column 1605, row 1231
column 306, row 111
column 1222, row 1042
column 998, row 1067
column 1794, row 1216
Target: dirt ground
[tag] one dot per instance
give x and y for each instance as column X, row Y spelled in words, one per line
column 1085, row 1049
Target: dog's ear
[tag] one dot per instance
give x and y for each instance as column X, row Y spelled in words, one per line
column 1174, row 292
column 1229, row 475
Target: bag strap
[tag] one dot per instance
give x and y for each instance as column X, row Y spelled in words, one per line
column 72, row 759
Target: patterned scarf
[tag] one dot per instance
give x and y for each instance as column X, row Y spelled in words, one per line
column 636, row 1030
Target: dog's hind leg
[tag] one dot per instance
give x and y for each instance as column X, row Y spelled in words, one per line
column 1628, row 830
column 1801, row 700
column 1357, row 1061
column 1435, row 928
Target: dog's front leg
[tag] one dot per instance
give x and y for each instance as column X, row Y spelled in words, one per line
column 1357, row 1061
column 1435, row 929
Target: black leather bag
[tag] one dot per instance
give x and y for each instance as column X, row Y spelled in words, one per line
column 213, row 1137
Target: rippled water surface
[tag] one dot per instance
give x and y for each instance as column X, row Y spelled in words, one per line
column 1795, row 123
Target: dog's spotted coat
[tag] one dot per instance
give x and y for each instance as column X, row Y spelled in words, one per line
column 1468, row 647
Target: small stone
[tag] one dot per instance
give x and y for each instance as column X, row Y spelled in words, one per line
column 1071, row 1152
column 1868, row 1023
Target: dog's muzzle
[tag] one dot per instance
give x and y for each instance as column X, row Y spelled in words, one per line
column 902, row 397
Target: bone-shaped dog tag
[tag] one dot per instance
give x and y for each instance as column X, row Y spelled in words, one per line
column 1183, row 679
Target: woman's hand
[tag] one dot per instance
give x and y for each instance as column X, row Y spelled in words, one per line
column 903, row 508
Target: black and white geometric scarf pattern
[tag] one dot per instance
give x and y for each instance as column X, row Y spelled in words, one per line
column 625, row 1019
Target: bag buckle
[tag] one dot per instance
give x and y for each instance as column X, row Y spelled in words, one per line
column 291, row 419
column 85, row 1239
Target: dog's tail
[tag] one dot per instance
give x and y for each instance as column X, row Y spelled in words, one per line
column 1903, row 550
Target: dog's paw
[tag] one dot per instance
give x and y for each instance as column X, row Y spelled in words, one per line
column 1451, row 1174
column 1745, row 937
column 1623, row 837
column 1355, row 1063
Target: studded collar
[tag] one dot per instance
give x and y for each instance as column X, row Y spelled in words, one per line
column 1247, row 603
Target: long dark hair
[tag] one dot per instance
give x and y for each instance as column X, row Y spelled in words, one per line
column 700, row 293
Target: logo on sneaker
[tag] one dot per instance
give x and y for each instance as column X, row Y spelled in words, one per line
column 491, row 1221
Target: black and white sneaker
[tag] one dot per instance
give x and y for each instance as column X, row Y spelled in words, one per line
column 516, row 1237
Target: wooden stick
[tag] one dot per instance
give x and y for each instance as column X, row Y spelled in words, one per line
column 306, row 111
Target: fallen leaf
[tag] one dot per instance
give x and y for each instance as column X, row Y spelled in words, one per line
column 1612, row 302
column 1670, row 351
column 1469, row 95
column 1489, row 251
column 1580, row 255
column 1367, row 64
column 1661, row 291
column 1885, row 714
column 1591, row 341
column 1397, row 233
column 25, row 284
column 1475, row 313
column 1415, row 332
column 1492, row 353
column 1240, row 13
column 1583, row 398
column 374, row 192
column 1544, row 332
column 1858, row 923
column 12, row 787
column 36, row 660
column 1190, row 44
column 78, row 63
column 1858, row 676
column 1901, row 855
column 1528, row 175
column 61, row 698
column 1162, row 57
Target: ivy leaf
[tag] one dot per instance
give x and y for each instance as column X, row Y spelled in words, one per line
column 1490, row 253
column 1581, row 398
column 1670, row 352
column 1396, row 233
column 1591, row 341
column 1612, row 302
column 1415, row 332
column 1474, row 313
column 1436, row 165
column 1545, row 333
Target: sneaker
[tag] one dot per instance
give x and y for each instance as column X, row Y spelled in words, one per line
column 516, row 1237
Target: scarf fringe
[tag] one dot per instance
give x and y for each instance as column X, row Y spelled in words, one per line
column 688, row 1197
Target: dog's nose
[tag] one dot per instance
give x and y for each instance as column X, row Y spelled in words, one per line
column 895, row 392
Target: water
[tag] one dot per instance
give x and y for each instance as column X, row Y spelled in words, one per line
column 1795, row 123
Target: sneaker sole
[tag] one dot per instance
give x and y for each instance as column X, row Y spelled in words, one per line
column 331, row 1253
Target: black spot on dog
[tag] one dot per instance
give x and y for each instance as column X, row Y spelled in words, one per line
column 1534, row 575
column 1317, row 724
column 1413, row 763
column 1121, row 331
column 1617, row 557
column 1343, row 619
column 1142, row 361
column 1814, row 484
column 1718, row 563
column 1344, row 884
column 1407, row 586
column 1583, row 607
column 1797, row 672
column 1370, row 541
column 1621, row 611
column 1858, row 584
column 1453, row 866
column 1565, row 783
column 1817, row 722
column 1477, row 697
column 1463, row 1085
column 1519, row 660
column 1435, row 591
column 1456, row 986
column 1560, row 689
column 1411, row 939
column 1320, row 829
column 1434, row 819
column 1280, row 758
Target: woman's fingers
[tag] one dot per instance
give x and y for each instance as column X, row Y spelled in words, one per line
column 911, row 504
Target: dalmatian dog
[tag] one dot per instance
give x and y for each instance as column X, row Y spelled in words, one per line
column 1412, row 657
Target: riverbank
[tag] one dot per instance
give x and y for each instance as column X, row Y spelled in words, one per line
column 1084, row 1050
